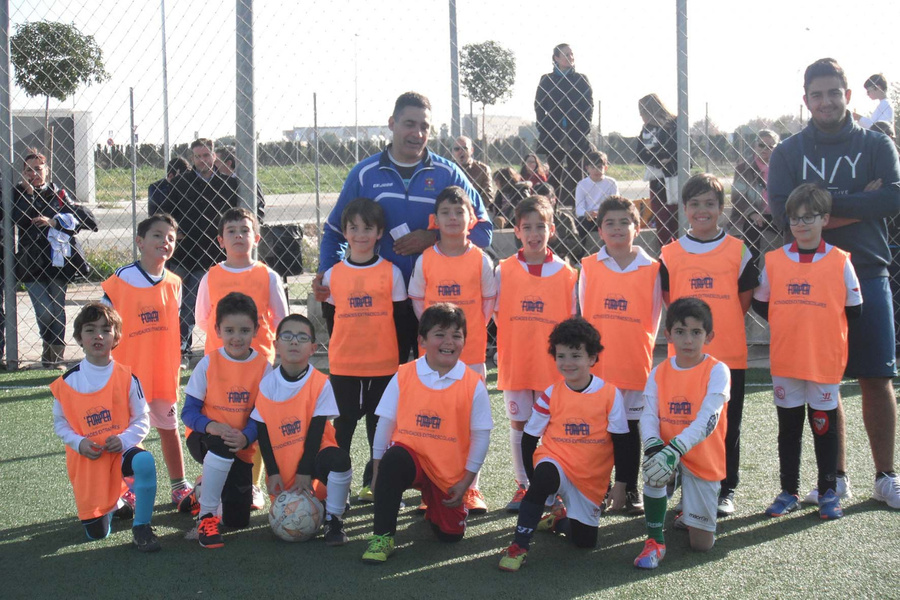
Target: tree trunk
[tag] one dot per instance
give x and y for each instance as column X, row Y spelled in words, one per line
column 484, row 137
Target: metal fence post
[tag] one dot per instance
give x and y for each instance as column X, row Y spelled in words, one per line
column 683, row 121
column 454, row 74
column 6, row 173
column 245, row 126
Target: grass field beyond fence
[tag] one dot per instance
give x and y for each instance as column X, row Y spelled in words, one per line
column 43, row 553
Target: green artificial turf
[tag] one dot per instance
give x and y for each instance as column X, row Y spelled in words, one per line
column 44, row 554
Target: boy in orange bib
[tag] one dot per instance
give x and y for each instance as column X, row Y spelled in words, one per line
column 100, row 414
column 219, row 398
column 535, row 291
column 365, row 313
column 297, row 401
column 683, row 426
column 148, row 296
column 239, row 235
column 581, row 424
column 709, row 264
column 436, row 417
column 808, row 289
column 454, row 270
column 620, row 294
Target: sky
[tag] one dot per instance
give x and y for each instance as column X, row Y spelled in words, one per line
column 745, row 59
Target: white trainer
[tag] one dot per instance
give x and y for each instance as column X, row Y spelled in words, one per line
column 887, row 489
column 842, row 488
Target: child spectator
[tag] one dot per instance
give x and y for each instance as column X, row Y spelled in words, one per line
column 436, row 417
column 876, row 89
column 683, row 422
column 580, row 421
column 299, row 395
column 100, row 414
column 454, row 270
column 365, row 313
column 533, row 170
column 219, row 398
column 620, row 294
column 709, row 264
column 239, row 235
column 807, row 291
column 535, row 291
column 148, row 296
column 589, row 193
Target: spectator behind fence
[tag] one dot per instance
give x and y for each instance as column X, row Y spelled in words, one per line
column 865, row 191
column 876, row 89
column 589, row 193
column 501, row 178
column 197, row 201
column 656, row 149
column 750, row 212
column 48, row 255
column 479, row 173
column 405, row 180
column 564, row 107
column 533, row 170
column 158, row 190
column 225, row 166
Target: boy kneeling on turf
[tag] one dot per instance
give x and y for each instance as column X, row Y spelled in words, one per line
column 683, row 422
column 297, row 400
column 807, row 291
column 582, row 424
column 435, row 415
column 99, row 412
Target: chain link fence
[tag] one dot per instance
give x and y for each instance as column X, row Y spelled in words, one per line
column 542, row 131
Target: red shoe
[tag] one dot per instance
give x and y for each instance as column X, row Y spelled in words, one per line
column 208, row 532
column 513, row 505
column 474, row 501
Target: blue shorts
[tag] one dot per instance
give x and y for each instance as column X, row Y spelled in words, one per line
column 871, row 336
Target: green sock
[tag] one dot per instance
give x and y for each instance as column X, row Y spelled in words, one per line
column 655, row 514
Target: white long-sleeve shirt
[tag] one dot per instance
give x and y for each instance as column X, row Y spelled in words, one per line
column 883, row 112
column 204, row 311
column 86, row 378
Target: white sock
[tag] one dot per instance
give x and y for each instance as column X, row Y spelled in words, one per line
column 215, row 472
column 338, row 492
column 475, row 481
column 515, row 445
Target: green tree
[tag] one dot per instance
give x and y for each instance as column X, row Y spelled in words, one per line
column 53, row 60
column 488, row 75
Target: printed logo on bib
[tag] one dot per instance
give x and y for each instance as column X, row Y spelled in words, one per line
column 448, row 288
column 702, row 281
column 97, row 416
column 238, row 395
column 360, row 300
column 148, row 314
column 428, row 421
column 577, row 428
column 820, row 422
column 615, row 302
column 291, row 426
column 798, row 287
column 679, row 406
column 532, row 304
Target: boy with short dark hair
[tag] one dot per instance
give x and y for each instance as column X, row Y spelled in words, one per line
column 535, row 291
column 807, row 291
column 296, row 399
column 148, row 296
column 219, row 398
column 684, row 422
column 590, row 193
column 709, row 264
column 876, row 89
column 366, row 313
column 100, row 414
column 620, row 294
column 580, row 421
column 435, row 415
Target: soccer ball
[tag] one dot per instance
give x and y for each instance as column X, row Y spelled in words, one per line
column 296, row 517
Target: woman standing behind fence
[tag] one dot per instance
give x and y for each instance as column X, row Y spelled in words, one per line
column 48, row 257
column 749, row 196
column 656, row 149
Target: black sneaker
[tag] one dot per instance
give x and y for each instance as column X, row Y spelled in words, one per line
column 334, row 531
column 208, row 532
column 144, row 538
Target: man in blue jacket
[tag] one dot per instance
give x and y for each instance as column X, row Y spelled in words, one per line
column 861, row 170
column 405, row 179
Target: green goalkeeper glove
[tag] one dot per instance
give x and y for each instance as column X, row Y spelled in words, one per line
column 652, row 446
column 659, row 468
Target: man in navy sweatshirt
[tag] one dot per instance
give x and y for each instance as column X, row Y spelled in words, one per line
column 860, row 168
